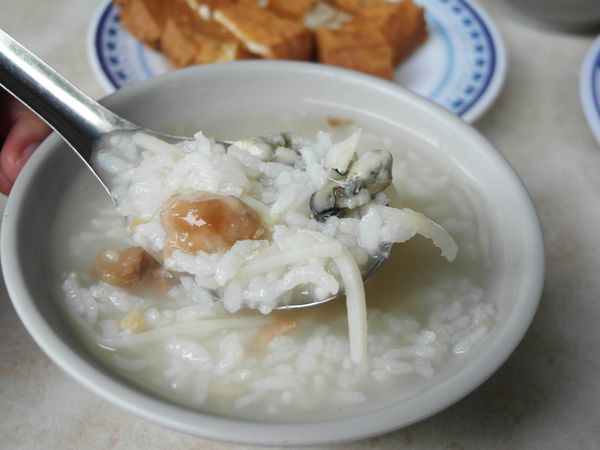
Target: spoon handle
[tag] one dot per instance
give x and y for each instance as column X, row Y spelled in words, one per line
column 76, row 117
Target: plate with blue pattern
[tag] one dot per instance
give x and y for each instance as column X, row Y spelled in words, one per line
column 589, row 87
column 461, row 66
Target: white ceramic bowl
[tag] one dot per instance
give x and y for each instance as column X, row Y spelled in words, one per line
column 213, row 94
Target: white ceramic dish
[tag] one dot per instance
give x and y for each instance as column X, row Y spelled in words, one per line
column 462, row 66
column 589, row 87
column 564, row 14
column 209, row 93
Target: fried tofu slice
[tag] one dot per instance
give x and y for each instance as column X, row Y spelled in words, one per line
column 184, row 47
column 206, row 8
column 190, row 39
column 347, row 5
column 266, row 34
column 323, row 15
column 294, row 9
column 145, row 19
column 178, row 30
column 204, row 31
column 360, row 48
column 402, row 24
column 212, row 4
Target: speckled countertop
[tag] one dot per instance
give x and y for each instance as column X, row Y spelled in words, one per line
column 546, row 396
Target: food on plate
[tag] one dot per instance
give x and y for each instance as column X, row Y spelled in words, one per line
column 293, row 10
column 144, row 18
column 402, row 23
column 372, row 36
column 241, row 229
column 364, row 49
column 264, row 33
column 190, row 39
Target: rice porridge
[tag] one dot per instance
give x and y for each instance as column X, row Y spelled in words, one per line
column 161, row 328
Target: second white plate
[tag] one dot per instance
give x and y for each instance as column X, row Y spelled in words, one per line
column 462, row 65
column 589, row 87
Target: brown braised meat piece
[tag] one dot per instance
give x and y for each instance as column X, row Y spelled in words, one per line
column 204, row 222
column 123, row 268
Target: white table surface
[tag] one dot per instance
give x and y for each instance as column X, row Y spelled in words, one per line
column 546, row 396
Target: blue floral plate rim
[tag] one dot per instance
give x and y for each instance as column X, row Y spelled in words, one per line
column 460, row 32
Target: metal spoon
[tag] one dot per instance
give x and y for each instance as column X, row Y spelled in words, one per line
column 85, row 124
column 82, row 122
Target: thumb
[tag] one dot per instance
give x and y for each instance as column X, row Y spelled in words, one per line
column 27, row 132
column 5, row 183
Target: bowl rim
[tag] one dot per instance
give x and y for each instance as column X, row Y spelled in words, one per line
column 364, row 425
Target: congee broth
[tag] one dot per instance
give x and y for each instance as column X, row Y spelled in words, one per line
column 163, row 330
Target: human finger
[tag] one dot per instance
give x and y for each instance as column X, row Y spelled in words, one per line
column 26, row 132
